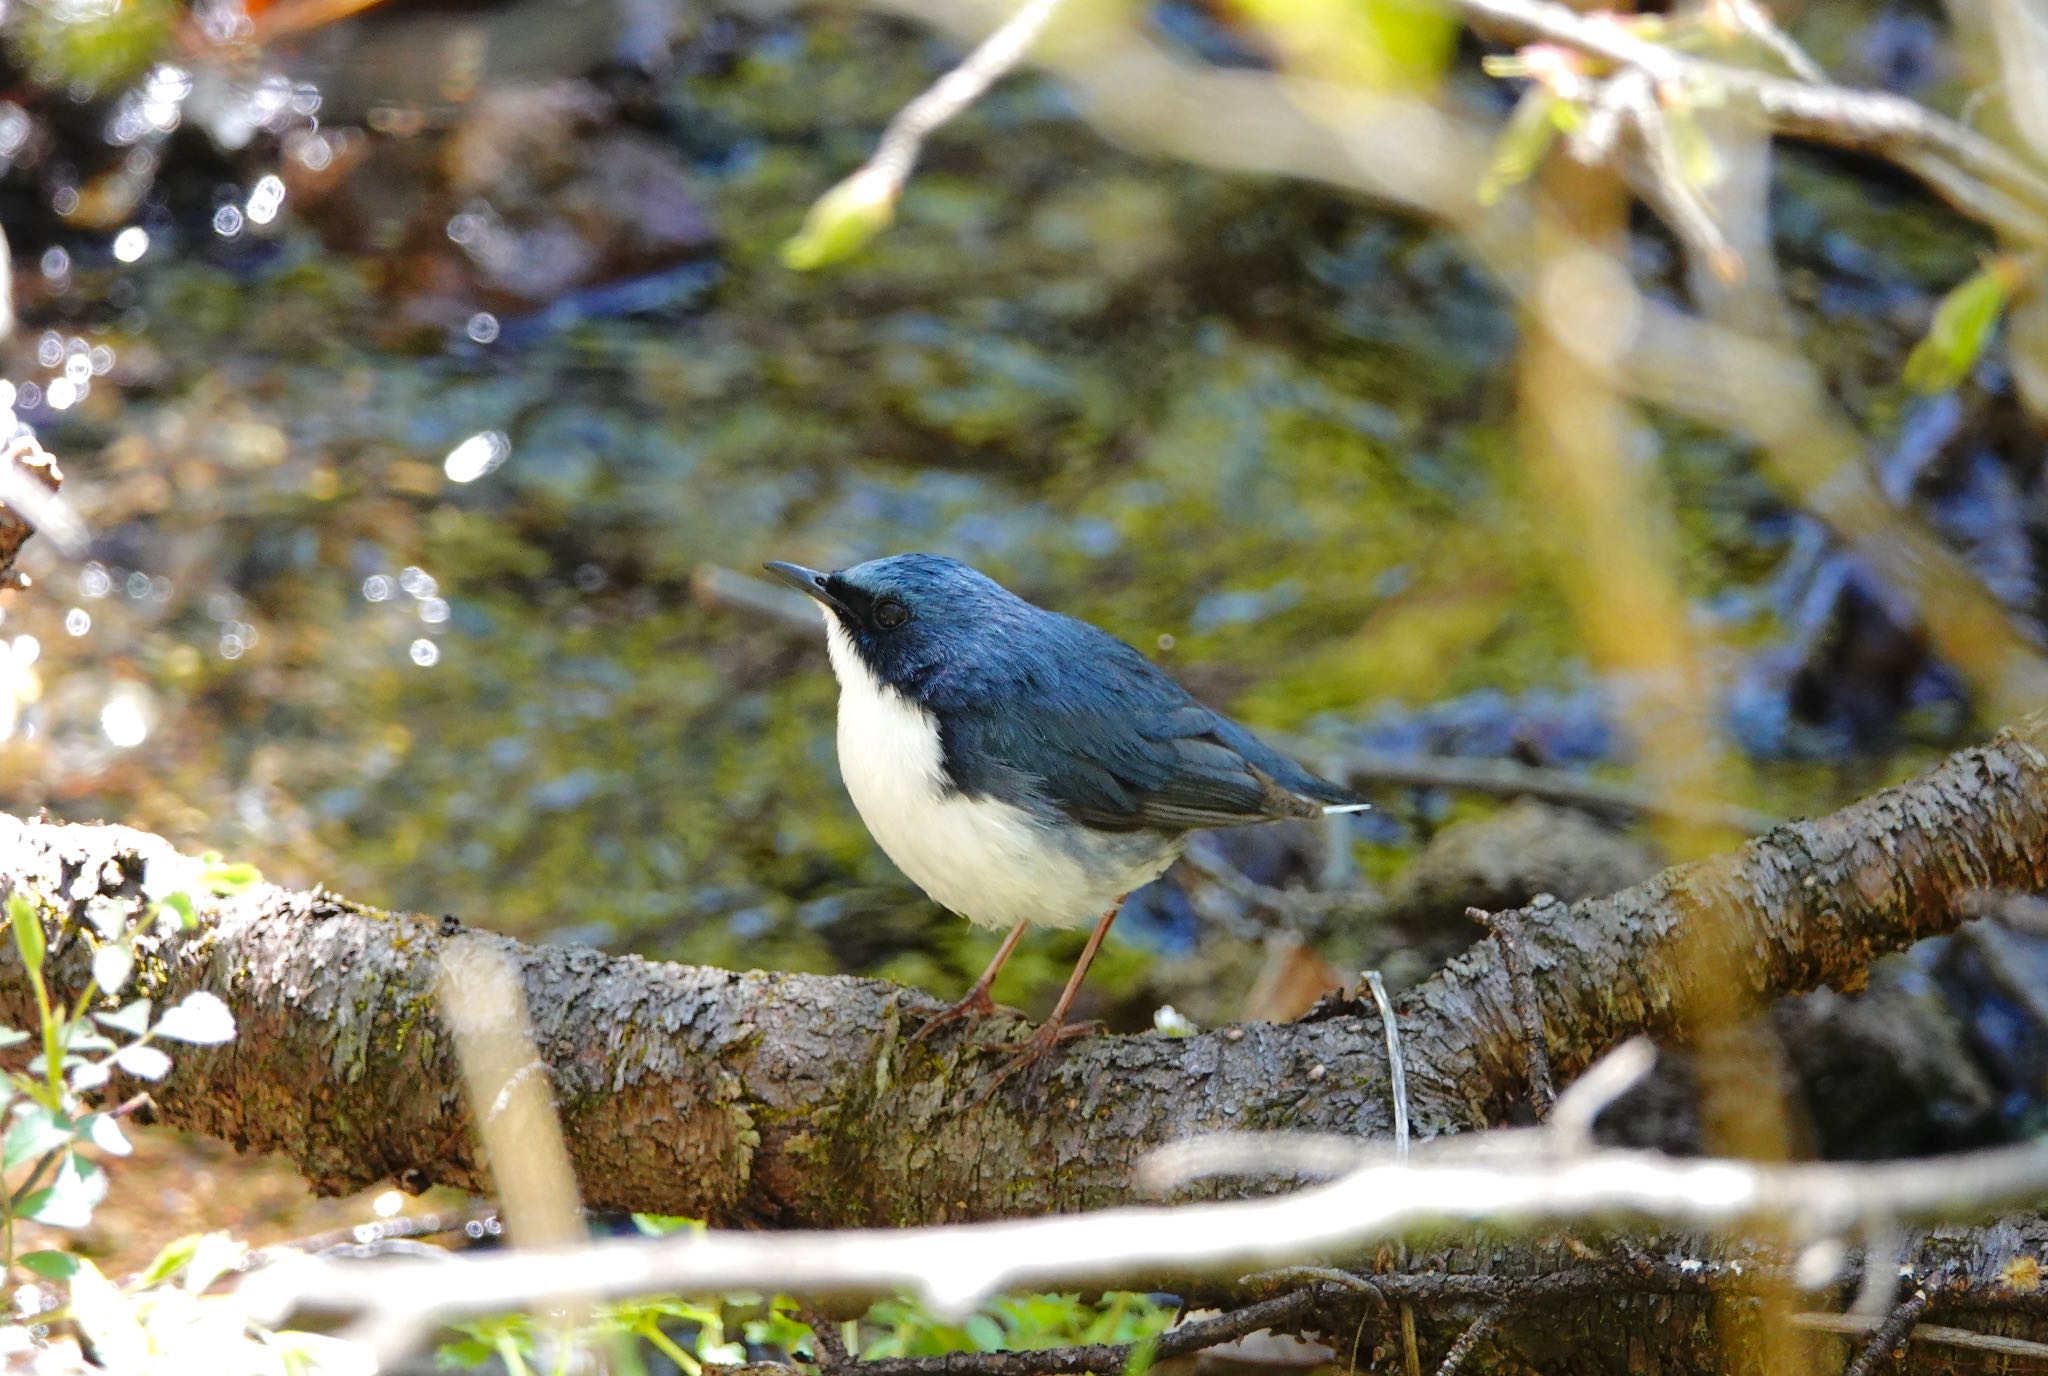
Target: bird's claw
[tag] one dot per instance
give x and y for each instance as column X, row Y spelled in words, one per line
column 1033, row 1051
column 977, row 1004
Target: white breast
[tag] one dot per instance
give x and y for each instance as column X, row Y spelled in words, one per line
column 992, row 863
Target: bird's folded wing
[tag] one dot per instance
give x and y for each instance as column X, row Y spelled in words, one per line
column 1164, row 765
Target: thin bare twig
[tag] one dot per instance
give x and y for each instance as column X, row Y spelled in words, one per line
column 826, row 1344
column 1890, row 1337
column 1869, row 121
column 1474, row 1334
column 1508, row 779
column 1939, row 1334
column 1506, row 930
column 1397, row 1074
column 904, row 138
column 1751, row 18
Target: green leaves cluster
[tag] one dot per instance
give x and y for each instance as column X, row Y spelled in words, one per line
column 53, row 1106
column 730, row 1329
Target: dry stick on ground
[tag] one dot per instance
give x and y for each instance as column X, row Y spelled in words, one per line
column 1473, row 1335
column 791, row 1099
column 1890, row 1336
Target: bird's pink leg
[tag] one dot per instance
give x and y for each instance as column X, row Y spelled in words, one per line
column 1055, row 1030
column 977, row 1001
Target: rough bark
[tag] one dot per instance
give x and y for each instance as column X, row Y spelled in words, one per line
column 792, row 1099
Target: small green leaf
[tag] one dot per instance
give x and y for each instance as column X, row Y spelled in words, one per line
column 50, row 1265
column 985, row 1333
column 180, row 903
column 842, row 221
column 36, row 1130
column 661, row 1225
column 227, row 877
column 1519, row 152
column 132, row 1018
column 28, row 932
column 73, row 1195
column 1961, row 327
column 12, row 1036
column 172, row 1259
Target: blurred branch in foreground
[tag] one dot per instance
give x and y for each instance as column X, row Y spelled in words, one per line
column 793, row 1099
column 1512, row 1181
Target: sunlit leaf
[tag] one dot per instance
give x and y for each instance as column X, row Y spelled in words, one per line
column 108, row 1319
column 1530, row 132
column 661, row 1225
column 12, row 1036
column 87, row 1076
column 172, row 1259
column 179, row 904
column 212, row 1255
column 72, row 1196
column 35, row 1131
column 132, row 1018
column 111, row 966
column 144, row 1061
column 80, row 1035
column 842, row 221
column 104, row 1131
column 200, row 1018
column 1961, row 327
column 227, row 877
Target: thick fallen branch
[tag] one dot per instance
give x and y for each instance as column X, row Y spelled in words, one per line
column 792, row 1099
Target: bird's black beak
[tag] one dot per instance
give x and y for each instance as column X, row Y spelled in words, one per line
column 809, row 582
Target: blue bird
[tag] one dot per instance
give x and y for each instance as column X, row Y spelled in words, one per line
column 1022, row 767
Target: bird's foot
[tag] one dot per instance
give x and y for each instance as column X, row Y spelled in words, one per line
column 1033, row 1051
column 977, row 1004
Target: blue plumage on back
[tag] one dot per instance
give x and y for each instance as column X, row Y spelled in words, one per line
column 1038, row 706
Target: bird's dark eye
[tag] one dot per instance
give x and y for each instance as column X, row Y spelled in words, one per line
column 889, row 613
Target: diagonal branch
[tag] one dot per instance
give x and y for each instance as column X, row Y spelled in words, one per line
column 793, row 1099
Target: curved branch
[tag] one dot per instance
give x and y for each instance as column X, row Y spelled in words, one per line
column 792, row 1099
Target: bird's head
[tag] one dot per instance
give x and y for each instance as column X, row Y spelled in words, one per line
column 906, row 614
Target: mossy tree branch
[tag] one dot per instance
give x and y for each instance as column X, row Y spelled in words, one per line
column 793, row 1100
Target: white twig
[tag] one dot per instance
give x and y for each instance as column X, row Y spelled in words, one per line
column 1397, row 1073
column 955, row 1267
column 1858, row 1324
column 999, row 53
column 1586, row 1098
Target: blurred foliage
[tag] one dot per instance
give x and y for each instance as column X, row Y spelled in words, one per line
column 740, row 1328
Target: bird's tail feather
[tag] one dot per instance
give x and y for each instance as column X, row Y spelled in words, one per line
column 1336, row 809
